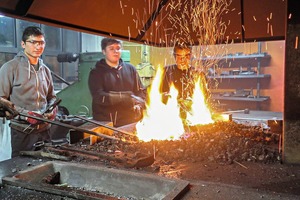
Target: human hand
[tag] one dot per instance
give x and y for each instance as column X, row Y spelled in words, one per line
column 138, row 111
column 8, row 114
column 34, row 121
column 186, row 104
column 7, row 109
column 51, row 115
column 136, row 100
column 2, row 112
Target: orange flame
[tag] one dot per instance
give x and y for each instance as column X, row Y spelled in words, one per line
column 162, row 121
column 200, row 113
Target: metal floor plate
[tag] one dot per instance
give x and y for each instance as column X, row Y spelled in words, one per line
column 82, row 181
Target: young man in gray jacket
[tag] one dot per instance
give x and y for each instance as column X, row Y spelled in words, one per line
column 26, row 82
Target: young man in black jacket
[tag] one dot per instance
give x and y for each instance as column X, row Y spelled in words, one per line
column 183, row 76
column 117, row 91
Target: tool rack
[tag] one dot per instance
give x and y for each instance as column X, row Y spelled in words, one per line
column 240, row 70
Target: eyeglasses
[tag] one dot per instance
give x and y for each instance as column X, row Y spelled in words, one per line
column 35, row 42
column 114, row 49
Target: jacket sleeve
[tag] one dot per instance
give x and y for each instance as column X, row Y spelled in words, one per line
column 139, row 89
column 6, row 77
column 115, row 98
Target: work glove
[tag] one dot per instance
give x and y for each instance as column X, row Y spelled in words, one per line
column 34, row 121
column 7, row 109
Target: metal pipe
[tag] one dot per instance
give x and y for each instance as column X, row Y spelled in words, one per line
column 103, row 125
column 60, row 78
column 69, row 126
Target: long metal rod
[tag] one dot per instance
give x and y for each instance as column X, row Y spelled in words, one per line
column 60, row 78
column 99, row 155
column 103, row 125
column 69, row 126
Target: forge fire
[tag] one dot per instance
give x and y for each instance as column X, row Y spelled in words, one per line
column 163, row 139
column 162, row 121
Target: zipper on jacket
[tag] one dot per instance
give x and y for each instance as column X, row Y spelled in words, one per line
column 37, row 86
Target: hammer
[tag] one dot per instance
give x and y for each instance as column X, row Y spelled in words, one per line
column 246, row 111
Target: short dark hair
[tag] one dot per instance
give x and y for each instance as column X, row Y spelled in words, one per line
column 32, row 30
column 181, row 47
column 109, row 41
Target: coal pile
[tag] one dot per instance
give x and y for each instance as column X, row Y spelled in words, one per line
column 221, row 142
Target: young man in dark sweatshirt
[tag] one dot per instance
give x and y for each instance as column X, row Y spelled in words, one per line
column 117, row 91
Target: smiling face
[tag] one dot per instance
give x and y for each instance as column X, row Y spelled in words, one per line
column 34, row 47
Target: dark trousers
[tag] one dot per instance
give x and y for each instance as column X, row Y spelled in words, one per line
column 21, row 141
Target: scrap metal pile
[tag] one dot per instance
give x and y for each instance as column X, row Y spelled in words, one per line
column 221, row 142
